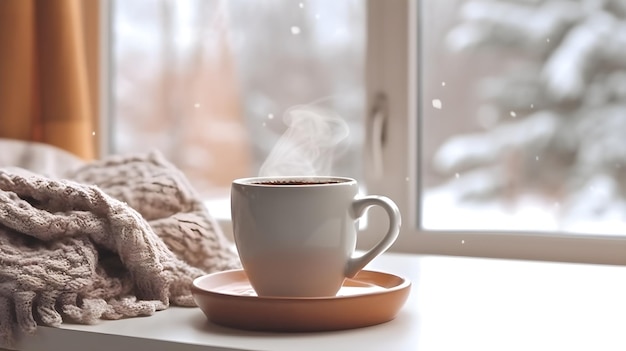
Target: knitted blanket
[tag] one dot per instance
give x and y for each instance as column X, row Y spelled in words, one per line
column 120, row 237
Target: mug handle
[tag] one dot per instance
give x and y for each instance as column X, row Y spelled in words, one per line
column 359, row 205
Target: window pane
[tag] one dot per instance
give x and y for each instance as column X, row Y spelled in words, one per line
column 523, row 114
column 212, row 85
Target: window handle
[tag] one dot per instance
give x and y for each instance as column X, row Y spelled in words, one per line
column 377, row 133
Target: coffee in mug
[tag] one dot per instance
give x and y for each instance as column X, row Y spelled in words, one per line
column 296, row 236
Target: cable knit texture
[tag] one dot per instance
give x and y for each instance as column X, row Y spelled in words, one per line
column 120, row 237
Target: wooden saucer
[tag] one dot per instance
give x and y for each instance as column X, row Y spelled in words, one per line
column 370, row 298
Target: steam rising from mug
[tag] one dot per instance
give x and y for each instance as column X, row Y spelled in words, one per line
column 308, row 146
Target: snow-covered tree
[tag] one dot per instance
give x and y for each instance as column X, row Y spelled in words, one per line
column 561, row 127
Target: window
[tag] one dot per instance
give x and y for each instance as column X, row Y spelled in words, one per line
column 513, row 111
column 461, row 111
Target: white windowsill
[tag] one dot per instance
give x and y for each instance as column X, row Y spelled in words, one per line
column 455, row 304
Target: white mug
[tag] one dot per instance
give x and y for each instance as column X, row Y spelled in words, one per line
column 296, row 236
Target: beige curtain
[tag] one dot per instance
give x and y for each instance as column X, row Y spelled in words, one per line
column 45, row 89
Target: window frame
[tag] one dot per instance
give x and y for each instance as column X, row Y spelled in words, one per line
column 392, row 70
column 105, row 69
